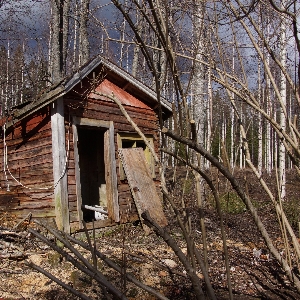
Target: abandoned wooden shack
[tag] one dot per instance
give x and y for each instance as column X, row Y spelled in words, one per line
column 72, row 151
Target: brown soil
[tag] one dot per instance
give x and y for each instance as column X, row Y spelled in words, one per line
column 253, row 276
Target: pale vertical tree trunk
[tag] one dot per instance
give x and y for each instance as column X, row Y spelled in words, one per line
column 22, row 73
column 198, row 76
column 2, row 96
column 75, row 39
column 50, row 46
column 232, row 116
column 84, row 47
column 241, row 144
column 290, row 117
column 274, row 138
column 259, row 98
column 282, row 167
column 136, row 50
column 56, row 45
column 209, row 115
column 268, row 126
column 260, row 130
column 232, row 136
column 269, row 157
column 123, row 39
column 7, row 75
column 223, row 136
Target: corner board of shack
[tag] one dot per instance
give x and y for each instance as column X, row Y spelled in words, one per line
column 73, row 155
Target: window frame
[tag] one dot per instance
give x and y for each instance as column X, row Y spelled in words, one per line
column 131, row 136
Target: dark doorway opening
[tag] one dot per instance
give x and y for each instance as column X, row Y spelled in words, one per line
column 92, row 169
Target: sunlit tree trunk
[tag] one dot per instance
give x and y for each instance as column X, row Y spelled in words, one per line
column 232, row 116
column 241, row 154
column 75, row 38
column 209, row 115
column 282, row 121
column 84, row 46
column 268, row 125
column 7, row 75
column 199, row 107
column 260, row 129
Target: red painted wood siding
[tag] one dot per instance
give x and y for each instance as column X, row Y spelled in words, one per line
column 29, row 159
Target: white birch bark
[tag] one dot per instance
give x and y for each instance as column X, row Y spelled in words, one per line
column 268, row 125
column 283, row 53
column 260, row 130
column 122, row 38
column 241, row 144
column 75, row 39
column 199, row 111
column 232, row 117
column 209, row 115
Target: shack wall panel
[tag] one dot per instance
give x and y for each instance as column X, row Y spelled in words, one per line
column 29, row 157
column 147, row 121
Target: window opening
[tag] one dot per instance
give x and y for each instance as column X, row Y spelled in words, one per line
column 131, row 140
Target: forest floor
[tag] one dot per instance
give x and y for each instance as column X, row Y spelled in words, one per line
column 253, row 276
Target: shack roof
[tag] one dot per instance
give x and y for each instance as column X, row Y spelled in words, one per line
column 98, row 65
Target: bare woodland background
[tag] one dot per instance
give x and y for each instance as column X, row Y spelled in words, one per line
column 229, row 68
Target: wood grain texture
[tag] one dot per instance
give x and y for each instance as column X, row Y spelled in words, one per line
column 142, row 185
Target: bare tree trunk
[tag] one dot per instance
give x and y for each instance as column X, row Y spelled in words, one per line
column 282, row 121
column 260, row 129
column 198, row 148
column 209, row 116
column 7, row 76
column 75, row 38
column 84, row 47
column 59, row 42
column 199, row 107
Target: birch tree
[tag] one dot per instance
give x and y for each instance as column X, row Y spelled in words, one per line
column 239, row 85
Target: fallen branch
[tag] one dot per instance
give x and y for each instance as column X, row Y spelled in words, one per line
column 66, row 239
column 83, row 265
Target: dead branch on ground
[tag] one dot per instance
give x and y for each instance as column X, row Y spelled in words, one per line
column 86, row 267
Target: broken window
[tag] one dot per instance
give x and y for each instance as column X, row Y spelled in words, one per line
column 133, row 140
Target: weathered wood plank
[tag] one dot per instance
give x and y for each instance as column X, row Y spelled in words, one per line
column 97, row 224
column 29, row 153
column 34, row 161
column 44, row 141
column 141, row 184
column 111, row 108
column 110, row 174
column 36, row 213
column 77, row 178
column 59, row 160
column 31, row 129
column 119, row 120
